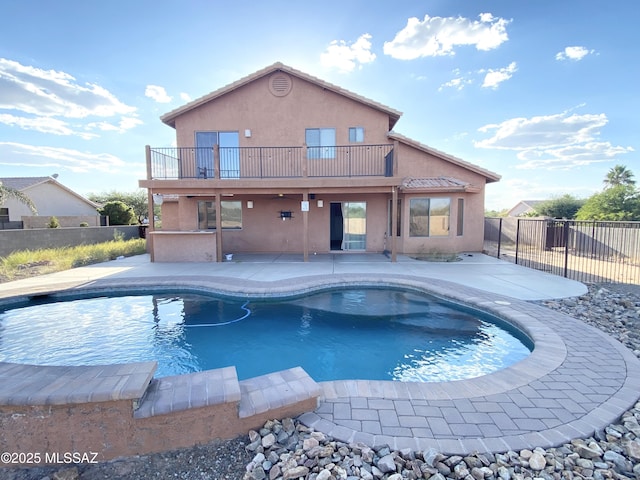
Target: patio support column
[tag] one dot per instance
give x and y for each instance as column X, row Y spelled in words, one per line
column 150, row 214
column 218, row 227
column 216, row 161
column 305, row 228
column 394, row 223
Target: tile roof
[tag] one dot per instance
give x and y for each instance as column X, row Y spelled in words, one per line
column 20, row 183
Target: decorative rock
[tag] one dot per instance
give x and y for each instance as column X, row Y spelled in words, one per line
column 386, row 464
column 67, row 474
column 268, row 440
column 632, row 450
column 537, row 462
column 324, row 475
column 295, row 472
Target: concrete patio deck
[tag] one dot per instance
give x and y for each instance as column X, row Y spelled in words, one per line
column 577, row 380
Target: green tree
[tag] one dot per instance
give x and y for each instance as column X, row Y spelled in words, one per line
column 565, row 206
column 617, row 203
column 137, row 200
column 8, row 192
column 619, row 175
column 119, row 213
column 496, row 213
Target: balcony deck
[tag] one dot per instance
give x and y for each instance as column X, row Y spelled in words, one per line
column 345, row 161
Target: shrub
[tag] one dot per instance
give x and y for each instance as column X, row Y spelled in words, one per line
column 53, row 223
column 119, row 213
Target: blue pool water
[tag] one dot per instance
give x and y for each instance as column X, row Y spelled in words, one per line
column 362, row 333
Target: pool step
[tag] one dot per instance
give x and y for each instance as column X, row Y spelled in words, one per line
column 254, row 396
column 193, row 390
column 276, row 390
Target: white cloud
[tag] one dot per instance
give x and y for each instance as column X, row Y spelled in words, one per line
column 51, row 93
column 346, row 57
column 559, row 141
column 185, row 96
column 157, row 93
column 125, row 123
column 44, row 100
column 493, row 78
column 574, row 53
column 19, row 154
column 50, row 125
column 434, row 36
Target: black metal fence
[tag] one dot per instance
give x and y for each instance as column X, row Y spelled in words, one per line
column 587, row 251
column 271, row 162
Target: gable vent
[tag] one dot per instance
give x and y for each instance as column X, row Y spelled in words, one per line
column 280, row 84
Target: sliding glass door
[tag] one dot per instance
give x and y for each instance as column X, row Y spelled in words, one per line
column 348, row 226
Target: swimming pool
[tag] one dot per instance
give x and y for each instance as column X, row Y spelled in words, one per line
column 354, row 333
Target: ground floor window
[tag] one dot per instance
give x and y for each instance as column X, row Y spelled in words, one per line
column 429, row 217
column 460, row 229
column 4, row 214
column 231, row 215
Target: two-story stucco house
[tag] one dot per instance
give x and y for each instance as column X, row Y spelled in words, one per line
column 280, row 161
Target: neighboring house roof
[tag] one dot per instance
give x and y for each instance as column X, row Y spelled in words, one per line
column 436, row 183
column 23, row 184
column 523, row 206
column 170, row 117
column 489, row 175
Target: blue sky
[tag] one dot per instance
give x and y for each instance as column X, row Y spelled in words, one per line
column 542, row 92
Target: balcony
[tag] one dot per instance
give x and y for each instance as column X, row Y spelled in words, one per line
column 270, row 162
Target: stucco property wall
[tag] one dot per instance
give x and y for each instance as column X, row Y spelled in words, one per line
column 33, row 239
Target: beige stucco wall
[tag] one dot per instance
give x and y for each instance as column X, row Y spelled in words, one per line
column 281, row 121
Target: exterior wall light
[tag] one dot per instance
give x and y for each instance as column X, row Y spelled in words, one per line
column 158, row 199
column 320, row 203
column 249, row 203
column 285, row 214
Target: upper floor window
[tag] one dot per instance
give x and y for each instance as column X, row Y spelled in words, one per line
column 429, row 217
column 321, row 142
column 231, row 215
column 356, row 134
column 4, row 214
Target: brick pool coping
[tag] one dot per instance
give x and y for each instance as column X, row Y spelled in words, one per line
column 576, row 381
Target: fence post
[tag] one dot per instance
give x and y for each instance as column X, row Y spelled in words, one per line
column 517, row 239
column 565, row 234
column 499, row 235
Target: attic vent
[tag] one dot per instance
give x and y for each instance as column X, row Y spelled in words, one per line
column 280, row 84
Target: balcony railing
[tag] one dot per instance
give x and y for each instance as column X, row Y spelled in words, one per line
column 271, row 162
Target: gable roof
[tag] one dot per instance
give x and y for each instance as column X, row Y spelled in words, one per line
column 170, row 117
column 488, row 174
column 25, row 183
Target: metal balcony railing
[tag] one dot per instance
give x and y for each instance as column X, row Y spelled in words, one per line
column 270, row 162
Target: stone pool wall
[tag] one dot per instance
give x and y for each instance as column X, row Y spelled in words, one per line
column 104, row 412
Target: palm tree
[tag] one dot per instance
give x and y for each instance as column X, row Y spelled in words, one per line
column 619, row 175
column 8, row 192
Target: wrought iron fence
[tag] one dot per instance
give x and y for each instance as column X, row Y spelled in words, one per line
column 271, row 162
column 587, row 251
